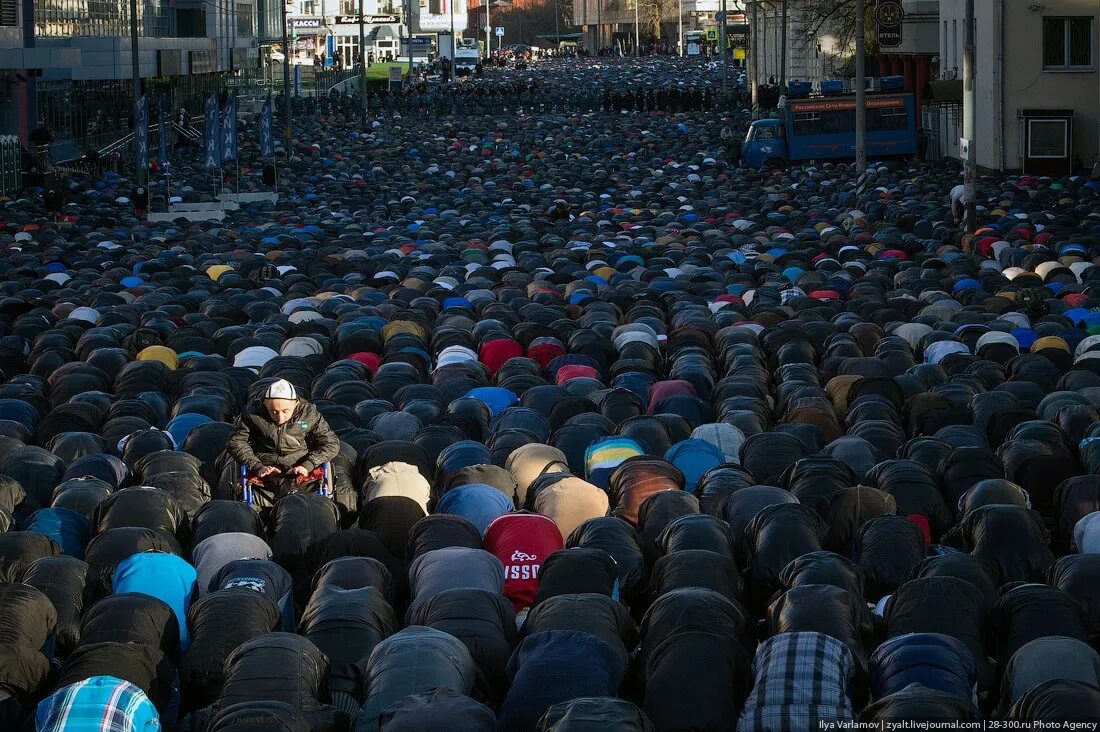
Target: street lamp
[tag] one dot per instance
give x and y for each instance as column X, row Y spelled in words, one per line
column 454, row 45
column 680, row 29
column 135, row 70
column 363, row 63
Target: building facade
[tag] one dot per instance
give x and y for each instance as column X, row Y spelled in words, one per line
column 1036, row 81
column 818, row 48
column 607, row 23
column 67, row 63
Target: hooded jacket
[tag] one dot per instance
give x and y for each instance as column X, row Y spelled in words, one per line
column 305, row 440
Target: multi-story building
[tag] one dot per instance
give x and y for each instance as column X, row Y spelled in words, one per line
column 605, row 23
column 68, row 62
column 1036, row 82
column 821, row 46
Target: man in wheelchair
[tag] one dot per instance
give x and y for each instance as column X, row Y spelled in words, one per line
column 282, row 443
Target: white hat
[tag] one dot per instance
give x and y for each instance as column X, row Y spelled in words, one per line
column 281, row 389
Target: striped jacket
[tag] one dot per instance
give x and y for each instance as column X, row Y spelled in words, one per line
column 97, row 704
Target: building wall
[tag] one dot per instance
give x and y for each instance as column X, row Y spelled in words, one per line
column 1026, row 83
column 920, row 31
column 810, row 56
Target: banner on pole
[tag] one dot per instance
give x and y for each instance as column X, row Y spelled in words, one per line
column 141, row 134
column 267, row 130
column 229, row 129
column 211, row 135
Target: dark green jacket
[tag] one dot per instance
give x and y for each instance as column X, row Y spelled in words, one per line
column 305, row 440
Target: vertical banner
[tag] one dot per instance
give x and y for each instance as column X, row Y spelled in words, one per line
column 211, row 135
column 267, row 131
column 162, row 137
column 229, row 129
column 141, row 134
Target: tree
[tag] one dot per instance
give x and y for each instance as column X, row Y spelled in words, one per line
column 652, row 12
column 525, row 23
column 836, row 18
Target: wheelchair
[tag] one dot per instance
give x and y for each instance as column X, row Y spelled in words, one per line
column 322, row 475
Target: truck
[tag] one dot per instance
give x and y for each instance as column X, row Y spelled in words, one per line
column 823, row 128
column 466, row 60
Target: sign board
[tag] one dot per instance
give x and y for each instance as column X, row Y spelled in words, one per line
column 719, row 17
column 500, row 31
column 367, row 19
column 889, row 17
column 964, row 148
column 417, row 41
column 694, row 49
column 438, row 16
column 200, row 62
column 307, row 22
column 395, row 75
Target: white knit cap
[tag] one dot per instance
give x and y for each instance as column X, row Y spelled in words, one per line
column 281, row 389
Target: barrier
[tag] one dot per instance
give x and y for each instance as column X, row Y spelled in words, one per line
column 11, row 164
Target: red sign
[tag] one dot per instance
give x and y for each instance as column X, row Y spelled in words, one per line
column 842, row 104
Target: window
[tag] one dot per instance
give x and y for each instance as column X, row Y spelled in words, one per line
column 887, row 119
column 8, row 14
column 349, row 7
column 765, row 132
column 246, row 25
column 807, row 123
column 190, row 22
column 1067, row 43
column 1047, row 138
column 838, row 121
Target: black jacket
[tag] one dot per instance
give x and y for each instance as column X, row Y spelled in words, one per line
column 305, row 440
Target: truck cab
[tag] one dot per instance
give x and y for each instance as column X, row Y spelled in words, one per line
column 765, row 144
column 466, row 61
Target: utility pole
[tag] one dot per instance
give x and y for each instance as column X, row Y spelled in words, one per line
column 754, row 33
column 135, row 70
column 288, row 123
column 600, row 25
column 363, row 64
column 408, row 24
column 783, row 48
column 969, row 100
column 680, row 29
column 861, row 90
column 454, row 44
column 637, row 34
column 488, row 38
column 725, row 50
column 557, row 31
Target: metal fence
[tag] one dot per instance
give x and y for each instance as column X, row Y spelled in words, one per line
column 11, row 164
column 91, row 115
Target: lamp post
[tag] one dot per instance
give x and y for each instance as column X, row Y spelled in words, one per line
column 861, row 91
column 680, row 29
column 637, row 36
column 408, row 24
column 454, row 44
column 754, row 44
column 783, row 48
column 725, row 50
column 599, row 26
column 969, row 111
column 135, row 70
column 362, row 64
column 288, row 130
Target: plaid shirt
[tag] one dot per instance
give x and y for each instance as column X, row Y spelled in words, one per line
column 801, row 680
column 97, row 704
